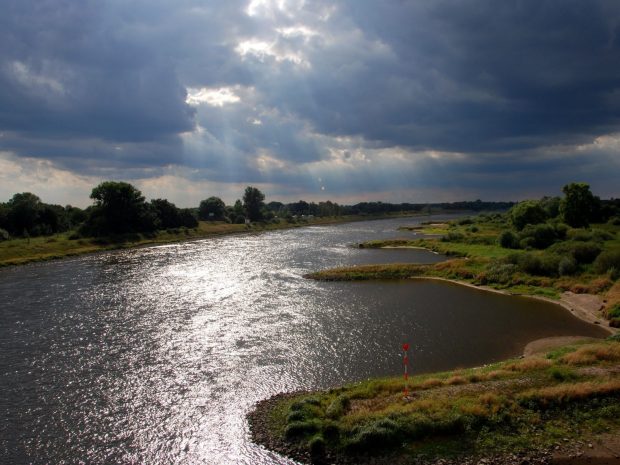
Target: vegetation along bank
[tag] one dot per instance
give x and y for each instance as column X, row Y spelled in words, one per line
column 120, row 217
column 552, row 407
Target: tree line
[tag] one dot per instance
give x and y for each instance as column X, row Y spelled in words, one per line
column 540, row 223
column 120, row 208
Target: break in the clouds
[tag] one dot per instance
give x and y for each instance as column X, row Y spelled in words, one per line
column 400, row 101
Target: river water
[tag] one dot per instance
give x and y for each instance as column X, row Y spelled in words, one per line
column 155, row 355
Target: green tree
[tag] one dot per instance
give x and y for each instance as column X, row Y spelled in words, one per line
column 551, row 206
column 212, row 208
column 527, row 212
column 578, row 205
column 4, row 216
column 23, row 215
column 187, row 217
column 168, row 215
column 253, row 203
column 119, row 208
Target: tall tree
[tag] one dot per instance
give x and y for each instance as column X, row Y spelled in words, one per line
column 527, row 212
column 578, row 205
column 168, row 215
column 23, row 215
column 119, row 208
column 212, row 208
column 253, row 203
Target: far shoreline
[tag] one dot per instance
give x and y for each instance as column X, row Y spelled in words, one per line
column 36, row 247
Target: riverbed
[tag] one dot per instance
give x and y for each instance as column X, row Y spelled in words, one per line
column 155, row 355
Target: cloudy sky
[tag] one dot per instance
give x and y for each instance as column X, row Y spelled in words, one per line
column 351, row 100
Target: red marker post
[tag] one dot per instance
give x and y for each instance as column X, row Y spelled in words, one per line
column 406, row 366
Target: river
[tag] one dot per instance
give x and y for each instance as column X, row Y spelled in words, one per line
column 155, row 355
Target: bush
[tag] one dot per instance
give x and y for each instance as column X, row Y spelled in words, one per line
column 561, row 373
column 582, row 252
column 539, row 236
column 378, row 435
column 607, row 261
column 452, row 237
column 338, row 407
column 586, row 252
column 527, row 243
column 508, row 240
column 614, row 312
column 567, row 266
column 580, row 235
column 614, row 221
column 4, row 235
column 295, row 416
column 527, row 212
column 498, row 272
column 600, row 235
column 302, row 428
column 316, row 445
column 542, row 265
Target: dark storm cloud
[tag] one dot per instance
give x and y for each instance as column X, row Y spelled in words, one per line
column 101, row 87
column 468, row 76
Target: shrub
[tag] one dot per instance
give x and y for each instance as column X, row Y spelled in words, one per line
column 567, row 266
column 317, row 448
column 541, row 265
column 607, row 261
column 614, row 312
column 452, row 237
column 498, row 272
column 377, row 435
column 600, row 235
column 539, row 236
column 614, row 221
column 560, row 373
column 295, row 416
column 580, row 235
column 508, row 240
column 338, row 407
column 4, row 235
column 561, row 230
column 527, row 212
column 298, row 429
column 527, row 243
column 582, row 252
column 592, row 354
column 586, row 252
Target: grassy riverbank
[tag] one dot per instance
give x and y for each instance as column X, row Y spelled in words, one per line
column 583, row 261
column 550, row 401
column 21, row 251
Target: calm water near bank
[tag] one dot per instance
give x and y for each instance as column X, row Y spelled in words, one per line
column 155, row 355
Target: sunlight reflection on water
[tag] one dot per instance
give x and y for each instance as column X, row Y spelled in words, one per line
column 155, row 355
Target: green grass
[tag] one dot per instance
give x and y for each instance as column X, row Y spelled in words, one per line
column 21, row 251
column 477, row 258
column 463, row 412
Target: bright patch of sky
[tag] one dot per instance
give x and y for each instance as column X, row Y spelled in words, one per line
column 215, row 97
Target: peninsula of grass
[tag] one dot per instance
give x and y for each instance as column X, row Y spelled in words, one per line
column 543, row 260
column 20, row 251
column 517, row 406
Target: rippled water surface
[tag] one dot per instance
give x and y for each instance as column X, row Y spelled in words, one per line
column 155, row 355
